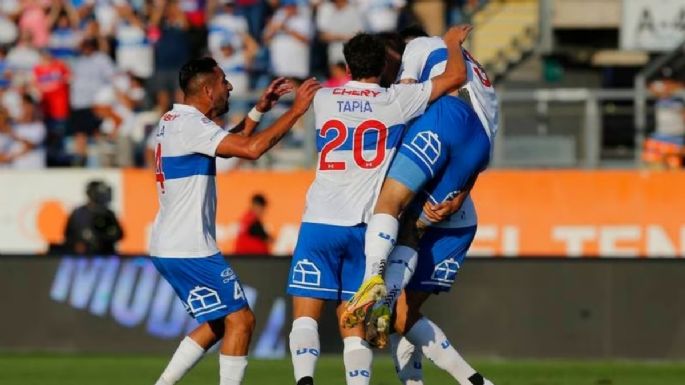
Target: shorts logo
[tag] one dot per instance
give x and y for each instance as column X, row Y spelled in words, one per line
column 228, row 275
column 306, row 273
column 445, row 271
column 428, row 146
column 203, row 300
column 445, row 344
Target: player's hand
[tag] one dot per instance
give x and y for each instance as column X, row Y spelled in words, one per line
column 443, row 210
column 273, row 93
column 304, row 95
column 457, row 35
column 436, row 213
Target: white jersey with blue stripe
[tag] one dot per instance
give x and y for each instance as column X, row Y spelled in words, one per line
column 425, row 57
column 358, row 129
column 185, row 226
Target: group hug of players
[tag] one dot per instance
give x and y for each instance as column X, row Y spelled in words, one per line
column 387, row 222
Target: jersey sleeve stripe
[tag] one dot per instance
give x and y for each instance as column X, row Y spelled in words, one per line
column 434, row 58
column 175, row 167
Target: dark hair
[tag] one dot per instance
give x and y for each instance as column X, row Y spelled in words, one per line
column 413, row 31
column 192, row 69
column 365, row 55
column 258, row 199
column 393, row 41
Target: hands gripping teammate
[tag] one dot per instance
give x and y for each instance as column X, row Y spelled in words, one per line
column 439, row 160
column 183, row 241
column 359, row 126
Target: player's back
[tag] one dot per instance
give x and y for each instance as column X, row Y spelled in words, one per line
column 186, row 141
column 359, row 127
column 425, row 57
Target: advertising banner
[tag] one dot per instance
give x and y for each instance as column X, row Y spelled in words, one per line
column 509, row 308
column 562, row 213
column 649, row 25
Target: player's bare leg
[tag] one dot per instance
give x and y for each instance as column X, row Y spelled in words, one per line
column 305, row 347
column 428, row 337
column 357, row 354
column 238, row 328
column 381, row 236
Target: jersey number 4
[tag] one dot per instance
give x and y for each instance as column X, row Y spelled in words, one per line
column 358, row 132
column 159, row 174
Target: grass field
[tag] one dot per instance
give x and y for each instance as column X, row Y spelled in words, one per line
column 45, row 369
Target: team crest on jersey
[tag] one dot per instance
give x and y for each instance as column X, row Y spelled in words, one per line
column 306, row 273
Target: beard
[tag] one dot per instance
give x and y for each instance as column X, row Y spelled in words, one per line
column 221, row 108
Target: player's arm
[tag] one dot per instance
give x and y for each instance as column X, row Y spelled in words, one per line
column 441, row 211
column 455, row 68
column 266, row 102
column 252, row 147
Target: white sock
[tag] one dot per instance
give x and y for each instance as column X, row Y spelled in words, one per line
column 231, row 369
column 435, row 346
column 381, row 235
column 401, row 266
column 304, row 346
column 357, row 357
column 186, row 356
column 407, row 360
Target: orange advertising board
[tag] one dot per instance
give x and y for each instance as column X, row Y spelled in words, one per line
column 531, row 213
column 521, row 213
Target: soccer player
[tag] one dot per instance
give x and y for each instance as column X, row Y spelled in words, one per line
column 440, row 158
column 183, row 241
column 359, row 126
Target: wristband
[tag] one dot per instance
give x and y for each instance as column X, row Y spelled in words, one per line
column 255, row 115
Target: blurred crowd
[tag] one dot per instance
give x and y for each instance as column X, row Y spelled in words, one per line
column 83, row 82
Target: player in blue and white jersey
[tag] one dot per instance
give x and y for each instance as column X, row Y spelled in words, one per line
column 440, row 158
column 359, row 127
column 183, row 240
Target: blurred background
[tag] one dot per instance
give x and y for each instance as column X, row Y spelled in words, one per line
column 582, row 217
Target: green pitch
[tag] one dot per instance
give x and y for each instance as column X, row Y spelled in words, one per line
column 45, row 369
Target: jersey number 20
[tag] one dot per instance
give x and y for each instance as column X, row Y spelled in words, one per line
column 357, row 144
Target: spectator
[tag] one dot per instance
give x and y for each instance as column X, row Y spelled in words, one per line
column 51, row 79
column 337, row 21
column 8, row 30
column 93, row 228
column 339, row 75
column 196, row 16
column 115, row 147
column 5, row 73
column 236, row 64
column 666, row 146
column 381, row 15
column 253, row 10
column 22, row 58
column 227, row 26
column 23, row 142
column 288, row 35
column 252, row 237
column 64, row 36
column 34, row 20
column 92, row 71
column 172, row 50
column 133, row 53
